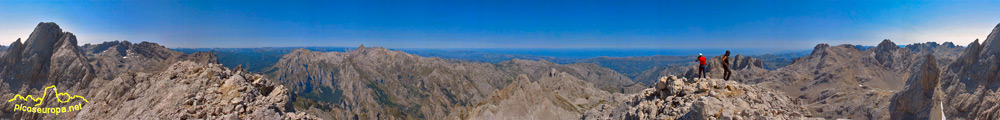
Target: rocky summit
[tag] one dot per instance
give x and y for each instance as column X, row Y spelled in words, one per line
column 697, row 99
column 123, row 80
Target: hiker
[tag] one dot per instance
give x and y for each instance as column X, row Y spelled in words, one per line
column 701, row 65
column 725, row 66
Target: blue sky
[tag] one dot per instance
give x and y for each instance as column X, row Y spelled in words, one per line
column 741, row 24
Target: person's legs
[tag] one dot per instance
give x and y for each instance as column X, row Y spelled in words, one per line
column 701, row 71
column 726, row 72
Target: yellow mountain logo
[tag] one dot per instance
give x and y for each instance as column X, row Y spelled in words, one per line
column 60, row 97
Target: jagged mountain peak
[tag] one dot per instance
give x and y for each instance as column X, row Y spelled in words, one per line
column 974, row 42
column 887, row 45
column 992, row 41
column 15, row 44
column 45, row 39
column 885, row 53
column 47, row 56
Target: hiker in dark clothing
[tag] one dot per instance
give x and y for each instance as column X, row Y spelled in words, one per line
column 701, row 65
column 725, row 66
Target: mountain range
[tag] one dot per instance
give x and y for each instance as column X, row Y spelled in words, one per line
column 125, row 80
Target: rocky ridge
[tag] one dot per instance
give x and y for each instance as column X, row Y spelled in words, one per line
column 741, row 67
column 681, row 98
column 634, row 67
column 558, row 95
column 377, row 83
column 195, row 91
column 968, row 87
column 846, row 82
column 128, row 81
column 115, row 57
column 652, row 75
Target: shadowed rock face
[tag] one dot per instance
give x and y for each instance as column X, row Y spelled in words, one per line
column 132, row 81
column 48, row 57
column 916, row 100
column 3, row 49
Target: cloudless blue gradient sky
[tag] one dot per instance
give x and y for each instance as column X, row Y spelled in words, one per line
column 738, row 24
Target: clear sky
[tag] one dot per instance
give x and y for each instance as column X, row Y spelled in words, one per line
column 780, row 25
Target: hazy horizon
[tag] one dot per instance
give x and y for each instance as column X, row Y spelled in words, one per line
column 776, row 26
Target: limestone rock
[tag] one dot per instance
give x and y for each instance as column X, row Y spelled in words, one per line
column 184, row 90
column 560, row 96
column 114, row 57
column 916, row 100
column 846, row 81
column 49, row 56
column 133, row 81
column 703, row 99
column 968, row 85
column 378, row 83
